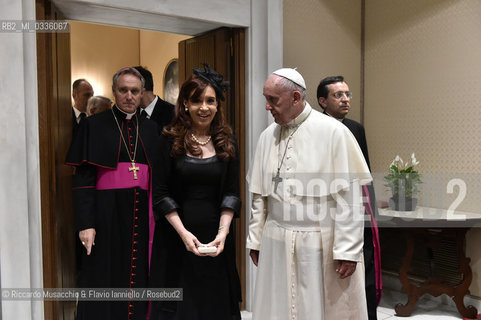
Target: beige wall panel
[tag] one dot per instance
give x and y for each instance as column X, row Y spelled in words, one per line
column 98, row 51
column 157, row 49
column 323, row 38
column 423, row 95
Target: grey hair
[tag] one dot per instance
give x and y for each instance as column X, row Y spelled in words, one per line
column 95, row 101
column 127, row 70
column 292, row 86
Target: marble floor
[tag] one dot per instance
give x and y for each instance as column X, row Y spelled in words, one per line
column 427, row 308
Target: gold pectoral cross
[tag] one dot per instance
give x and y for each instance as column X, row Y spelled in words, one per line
column 134, row 169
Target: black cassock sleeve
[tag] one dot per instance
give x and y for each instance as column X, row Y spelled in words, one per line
column 84, row 196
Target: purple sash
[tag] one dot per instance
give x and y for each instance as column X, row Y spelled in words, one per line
column 122, row 178
column 376, row 244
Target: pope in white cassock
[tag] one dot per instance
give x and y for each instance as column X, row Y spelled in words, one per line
column 306, row 223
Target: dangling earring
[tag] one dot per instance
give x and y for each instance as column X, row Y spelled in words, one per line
column 186, row 110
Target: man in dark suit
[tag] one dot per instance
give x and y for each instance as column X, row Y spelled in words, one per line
column 152, row 106
column 334, row 97
column 81, row 92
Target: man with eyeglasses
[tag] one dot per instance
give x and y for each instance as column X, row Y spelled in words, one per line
column 334, row 97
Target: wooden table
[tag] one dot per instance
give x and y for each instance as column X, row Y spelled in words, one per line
column 429, row 227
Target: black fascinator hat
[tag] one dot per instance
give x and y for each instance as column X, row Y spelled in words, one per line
column 214, row 79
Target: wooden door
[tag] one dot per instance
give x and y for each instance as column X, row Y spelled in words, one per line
column 224, row 50
column 55, row 121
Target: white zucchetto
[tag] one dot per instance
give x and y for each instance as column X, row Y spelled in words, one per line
column 292, row 75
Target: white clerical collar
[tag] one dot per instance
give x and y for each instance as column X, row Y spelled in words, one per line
column 335, row 117
column 301, row 117
column 150, row 108
column 128, row 116
column 77, row 114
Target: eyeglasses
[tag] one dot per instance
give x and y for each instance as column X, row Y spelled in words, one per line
column 339, row 94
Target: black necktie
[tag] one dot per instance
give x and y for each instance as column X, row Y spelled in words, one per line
column 82, row 116
column 143, row 114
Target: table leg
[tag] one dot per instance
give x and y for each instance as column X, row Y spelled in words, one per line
column 411, row 290
column 463, row 288
column 433, row 285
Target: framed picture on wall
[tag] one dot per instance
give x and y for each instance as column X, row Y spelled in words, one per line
column 171, row 81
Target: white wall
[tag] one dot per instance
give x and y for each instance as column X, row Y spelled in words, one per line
column 20, row 226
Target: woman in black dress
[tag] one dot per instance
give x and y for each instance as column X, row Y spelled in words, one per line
column 195, row 198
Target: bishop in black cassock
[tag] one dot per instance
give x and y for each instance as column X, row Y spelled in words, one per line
column 113, row 152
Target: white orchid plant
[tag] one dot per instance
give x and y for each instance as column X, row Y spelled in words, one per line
column 402, row 179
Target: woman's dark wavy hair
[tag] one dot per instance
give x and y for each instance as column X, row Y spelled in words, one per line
column 180, row 129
